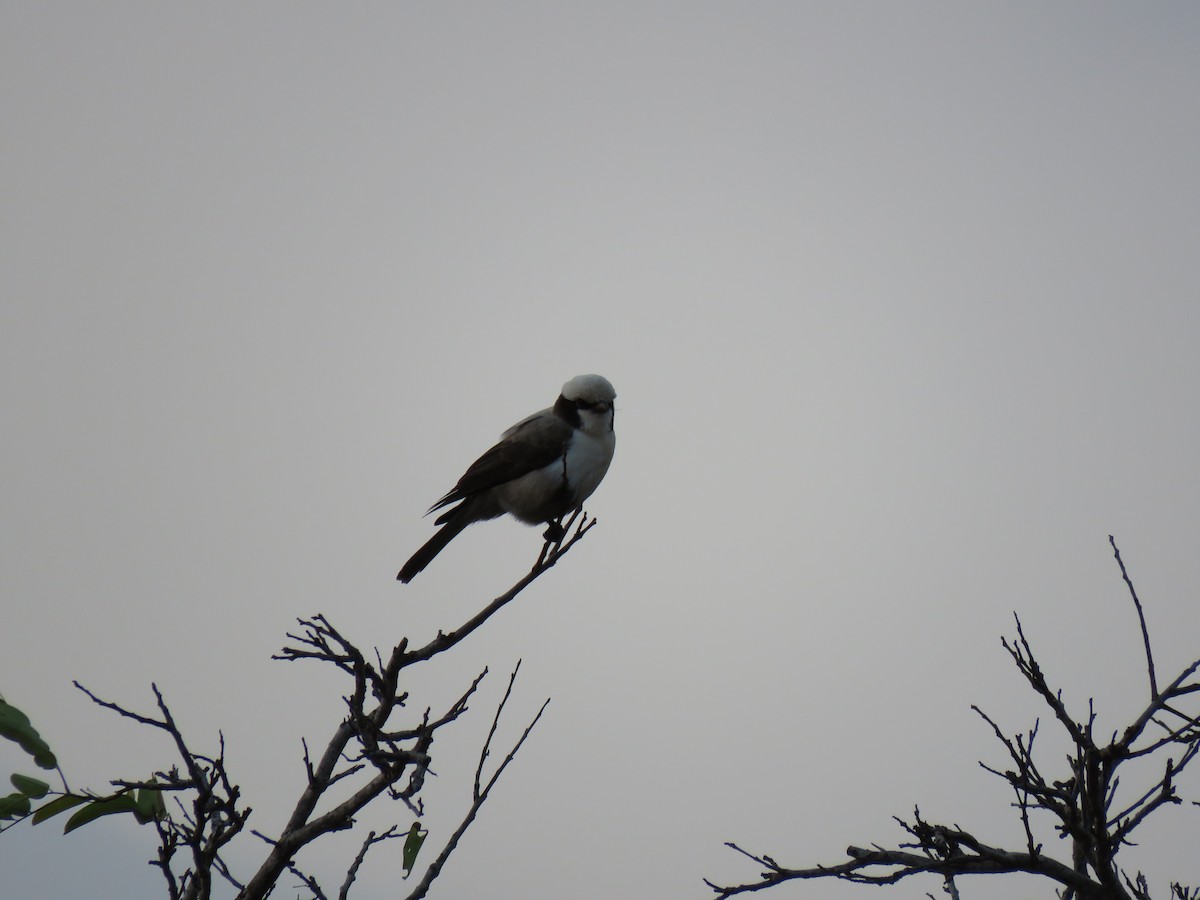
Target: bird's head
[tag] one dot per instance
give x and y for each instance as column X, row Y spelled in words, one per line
column 588, row 399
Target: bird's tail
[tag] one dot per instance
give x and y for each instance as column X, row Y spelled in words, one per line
column 433, row 547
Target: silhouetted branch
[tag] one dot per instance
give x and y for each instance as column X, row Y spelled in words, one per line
column 1137, row 604
column 207, row 824
column 1083, row 801
column 479, row 793
column 552, row 552
column 365, row 757
column 368, row 842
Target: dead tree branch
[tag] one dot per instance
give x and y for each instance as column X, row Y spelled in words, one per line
column 366, row 756
column 1137, row 604
column 480, row 793
column 212, row 819
column 1088, row 804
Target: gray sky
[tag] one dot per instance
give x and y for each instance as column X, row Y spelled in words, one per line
column 902, row 306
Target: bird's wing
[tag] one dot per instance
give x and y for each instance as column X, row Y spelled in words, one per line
column 531, row 444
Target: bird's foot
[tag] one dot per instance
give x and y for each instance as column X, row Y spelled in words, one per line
column 557, row 531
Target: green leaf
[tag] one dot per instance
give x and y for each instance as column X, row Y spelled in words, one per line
column 9, row 713
column 14, row 806
column 412, row 846
column 30, row 787
column 149, row 805
column 45, row 758
column 108, row 806
column 57, row 805
column 16, row 727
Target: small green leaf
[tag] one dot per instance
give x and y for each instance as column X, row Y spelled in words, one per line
column 149, row 805
column 45, row 758
column 57, row 805
column 106, row 807
column 30, row 787
column 412, row 846
column 14, row 806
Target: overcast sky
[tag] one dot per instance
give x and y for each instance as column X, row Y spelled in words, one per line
column 902, row 306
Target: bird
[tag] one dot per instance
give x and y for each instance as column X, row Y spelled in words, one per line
column 542, row 468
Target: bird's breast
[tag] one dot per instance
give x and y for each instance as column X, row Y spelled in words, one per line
column 556, row 489
column 586, row 461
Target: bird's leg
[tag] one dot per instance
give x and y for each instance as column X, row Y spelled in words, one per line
column 554, row 531
column 575, row 513
column 553, row 536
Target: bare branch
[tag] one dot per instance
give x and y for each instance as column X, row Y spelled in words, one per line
column 551, row 553
column 366, row 756
column 368, row 842
column 1027, row 665
column 1141, row 618
column 480, row 794
column 1083, row 799
column 483, row 754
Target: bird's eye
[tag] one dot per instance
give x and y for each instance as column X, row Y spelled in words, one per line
column 583, row 404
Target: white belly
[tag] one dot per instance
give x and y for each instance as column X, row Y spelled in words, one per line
column 558, row 488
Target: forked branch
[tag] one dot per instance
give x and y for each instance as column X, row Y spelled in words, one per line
column 1090, row 806
column 366, row 756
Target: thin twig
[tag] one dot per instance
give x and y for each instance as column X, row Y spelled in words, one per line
column 371, row 839
column 480, row 797
column 1141, row 619
column 445, row 641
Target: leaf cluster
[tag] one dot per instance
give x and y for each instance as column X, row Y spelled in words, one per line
column 144, row 802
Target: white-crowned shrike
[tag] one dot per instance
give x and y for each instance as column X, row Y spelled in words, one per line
column 544, row 467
